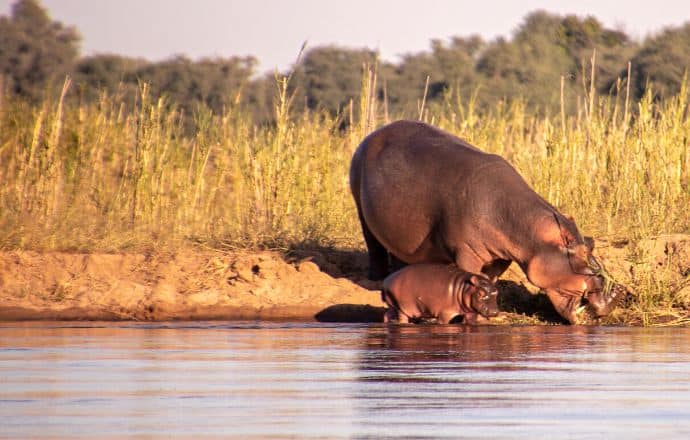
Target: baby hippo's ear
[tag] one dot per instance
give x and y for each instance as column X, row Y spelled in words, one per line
column 589, row 242
column 482, row 282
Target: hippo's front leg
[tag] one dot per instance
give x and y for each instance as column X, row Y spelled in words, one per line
column 474, row 319
column 403, row 319
column 394, row 315
column 495, row 269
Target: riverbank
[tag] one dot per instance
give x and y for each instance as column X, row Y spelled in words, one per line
column 189, row 284
column 307, row 284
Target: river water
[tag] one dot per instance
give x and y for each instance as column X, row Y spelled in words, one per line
column 297, row 380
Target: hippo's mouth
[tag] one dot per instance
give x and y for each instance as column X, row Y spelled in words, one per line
column 587, row 306
column 602, row 302
column 602, row 273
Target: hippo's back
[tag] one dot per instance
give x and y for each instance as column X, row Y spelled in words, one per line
column 404, row 176
column 421, row 279
column 410, row 150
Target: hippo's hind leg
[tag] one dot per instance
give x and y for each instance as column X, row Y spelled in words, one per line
column 495, row 269
column 378, row 255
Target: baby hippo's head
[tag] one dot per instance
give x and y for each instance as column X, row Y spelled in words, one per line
column 483, row 295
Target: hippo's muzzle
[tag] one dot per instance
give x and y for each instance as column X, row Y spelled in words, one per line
column 602, row 302
column 601, row 294
column 605, row 294
column 485, row 302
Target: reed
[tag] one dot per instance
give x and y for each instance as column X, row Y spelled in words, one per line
column 93, row 177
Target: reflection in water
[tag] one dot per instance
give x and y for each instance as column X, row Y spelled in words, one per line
column 527, row 382
column 314, row 380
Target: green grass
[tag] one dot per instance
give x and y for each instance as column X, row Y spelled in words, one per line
column 92, row 177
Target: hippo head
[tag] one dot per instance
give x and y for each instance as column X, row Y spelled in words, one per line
column 577, row 284
column 483, row 295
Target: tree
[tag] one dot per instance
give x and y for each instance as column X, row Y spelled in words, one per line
column 546, row 47
column 107, row 73
column 213, row 82
column 457, row 60
column 448, row 66
column 329, row 77
column 34, row 50
column 530, row 66
column 613, row 50
column 405, row 83
column 662, row 62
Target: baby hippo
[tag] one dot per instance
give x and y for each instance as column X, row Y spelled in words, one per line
column 437, row 291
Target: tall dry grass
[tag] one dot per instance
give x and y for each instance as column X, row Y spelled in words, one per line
column 93, row 176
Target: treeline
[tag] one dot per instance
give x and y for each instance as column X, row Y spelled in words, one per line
column 548, row 57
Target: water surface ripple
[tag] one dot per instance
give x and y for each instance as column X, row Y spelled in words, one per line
column 297, row 380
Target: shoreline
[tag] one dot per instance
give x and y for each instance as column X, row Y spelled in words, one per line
column 307, row 285
column 353, row 313
column 184, row 285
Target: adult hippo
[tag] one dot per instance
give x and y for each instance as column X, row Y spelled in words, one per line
column 426, row 196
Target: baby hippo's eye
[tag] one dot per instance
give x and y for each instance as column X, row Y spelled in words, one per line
column 484, row 284
column 488, row 290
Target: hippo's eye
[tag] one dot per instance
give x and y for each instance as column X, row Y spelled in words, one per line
column 594, row 264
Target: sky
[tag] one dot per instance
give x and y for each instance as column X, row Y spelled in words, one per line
column 274, row 31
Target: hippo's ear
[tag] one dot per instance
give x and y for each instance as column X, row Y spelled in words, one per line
column 589, row 242
column 481, row 282
column 566, row 235
column 473, row 280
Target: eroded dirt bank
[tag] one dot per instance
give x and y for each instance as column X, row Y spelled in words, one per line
column 328, row 285
column 187, row 284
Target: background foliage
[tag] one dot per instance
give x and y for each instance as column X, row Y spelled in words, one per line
column 36, row 53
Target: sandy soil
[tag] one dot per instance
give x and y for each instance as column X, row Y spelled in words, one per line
column 322, row 284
